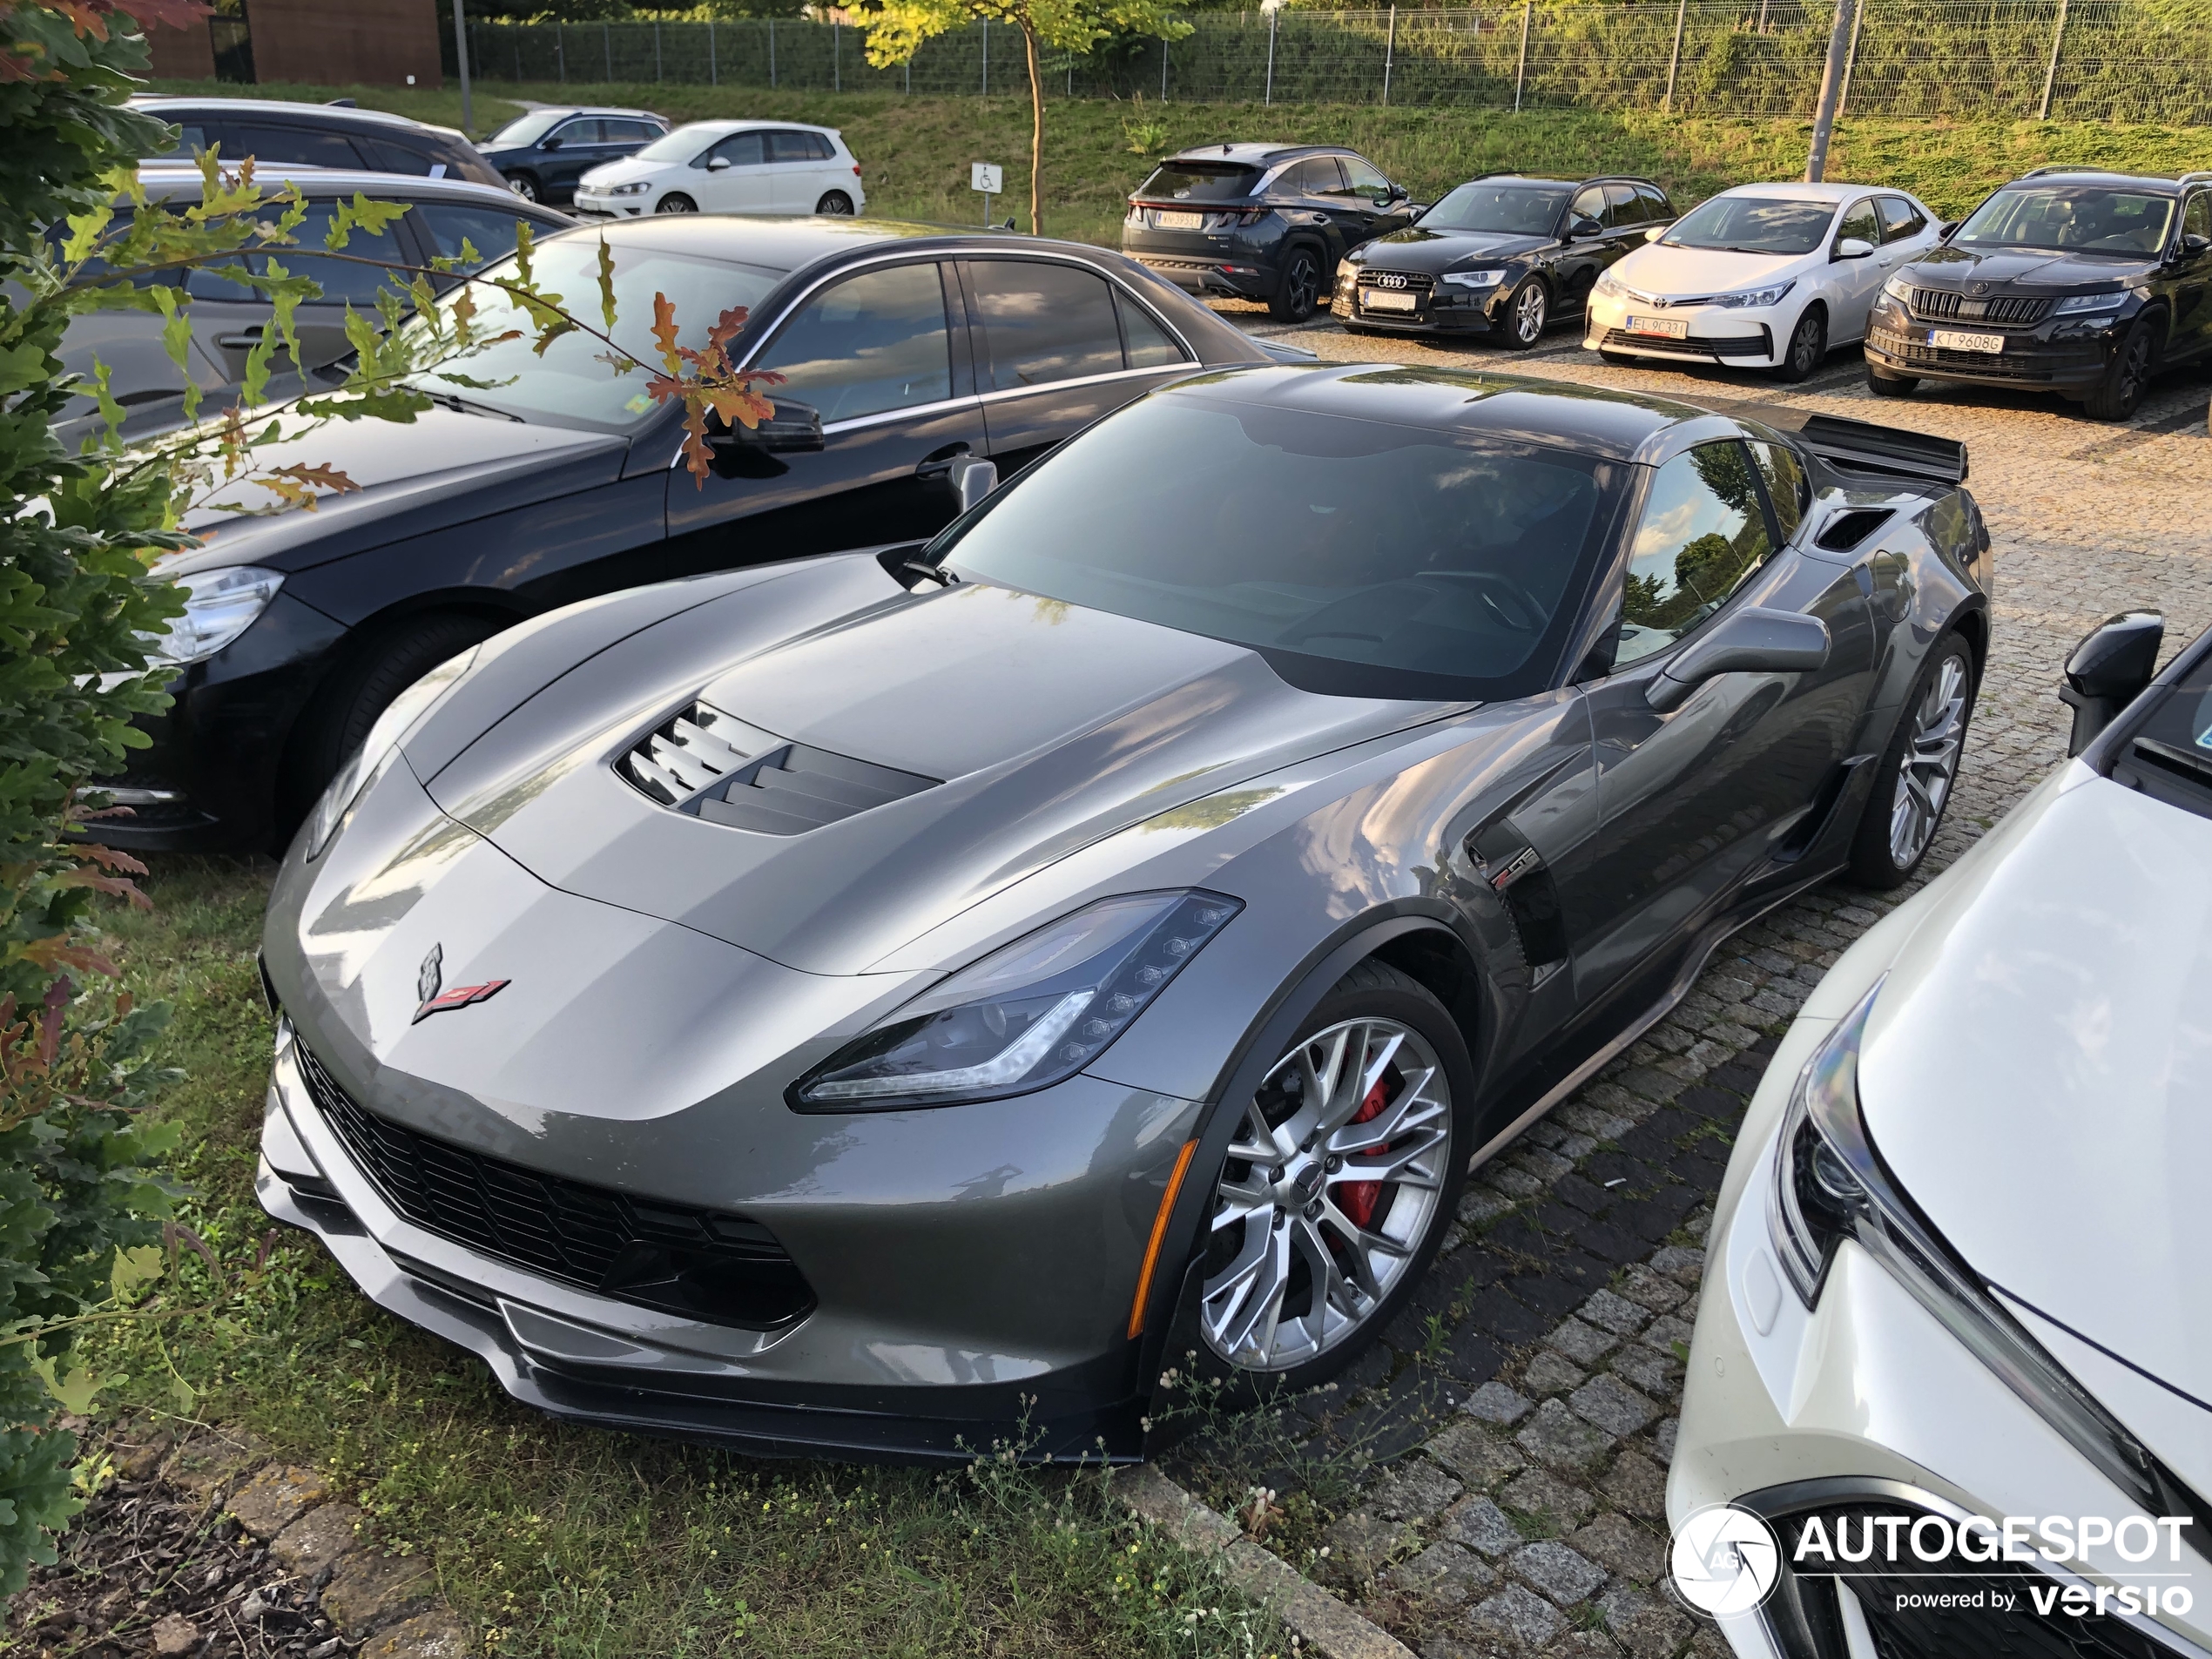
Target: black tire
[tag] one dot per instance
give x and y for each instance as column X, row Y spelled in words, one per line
column 1808, row 347
column 1298, row 296
column 1528, row 312
column 379, row 668
column 2127, row 376
column 1879, row 857
column 525, row 186
column 1882, row 385
column 836, row 204
column 1369, row 992
column 676, row 202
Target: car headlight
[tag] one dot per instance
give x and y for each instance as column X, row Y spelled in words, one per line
column 2075, row 304
column 1027, row 1014
column 1347, row 269
column 1830, row 1185
column 378, row 749
column 1899, row 289
column 1609, row 286
column 1748, row 299
column 219, row 605
column 1474, row 279
column 638, row 188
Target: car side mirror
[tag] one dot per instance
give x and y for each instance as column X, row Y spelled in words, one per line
column 794, row 428
column 2108, row 671
column 718, row 164
column 1751, row 641
column 548, row 143
column 1656, row 232
column 1944, row 230
column 2195, row 246
column 1852, row 247
column 971, row 478
column 1418, row 210
column 1583, row 228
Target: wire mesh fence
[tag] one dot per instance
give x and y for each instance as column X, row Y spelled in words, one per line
column 2078, row 60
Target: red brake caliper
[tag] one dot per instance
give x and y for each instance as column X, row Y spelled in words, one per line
column 1357, row 1199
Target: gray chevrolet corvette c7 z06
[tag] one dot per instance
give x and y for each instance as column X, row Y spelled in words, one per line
column 864, row 1005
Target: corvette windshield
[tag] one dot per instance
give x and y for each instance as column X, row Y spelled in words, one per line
column 1361, row 558
column 1509, row 210
column 1752, row 225
column 570, row 385
column 2082, row 218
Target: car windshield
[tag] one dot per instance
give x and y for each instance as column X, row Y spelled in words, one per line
column 525, row 129
column 683, row 143
column 1753, row 225
column 2082, row 218
column 2169, row 753
column 1198, row 181
column 1361, row 558
column 1511, row 210
column 570, row 385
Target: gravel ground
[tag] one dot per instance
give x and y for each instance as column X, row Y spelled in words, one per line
column 1514, row 1425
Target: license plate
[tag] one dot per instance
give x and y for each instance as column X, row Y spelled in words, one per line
column 1388, row 299
column 1671, row 327
column 1180, row 221
column 1952, row 340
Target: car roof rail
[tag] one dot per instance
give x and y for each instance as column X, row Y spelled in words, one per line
column 2198, row 178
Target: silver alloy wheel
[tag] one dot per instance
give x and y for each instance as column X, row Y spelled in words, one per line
column 1306, row 1274
column 1529, row 313
column 1929, row 764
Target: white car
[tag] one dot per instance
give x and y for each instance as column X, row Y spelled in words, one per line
column 1762, row 276
column 729, row 167
column 1955, row 1284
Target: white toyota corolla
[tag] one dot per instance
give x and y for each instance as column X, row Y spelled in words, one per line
column 1762, row 276
column 1954, row 1345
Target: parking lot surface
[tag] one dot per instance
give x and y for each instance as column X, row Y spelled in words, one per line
column 1517, row 1421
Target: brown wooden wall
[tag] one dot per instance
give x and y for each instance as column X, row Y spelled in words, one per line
column 185, row 54
column 341, row 43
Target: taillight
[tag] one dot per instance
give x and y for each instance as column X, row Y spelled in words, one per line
column 856, row 170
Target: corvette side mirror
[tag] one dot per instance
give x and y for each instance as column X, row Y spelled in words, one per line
column 1852, row 247
column 2108, row 671
column 1751, row 641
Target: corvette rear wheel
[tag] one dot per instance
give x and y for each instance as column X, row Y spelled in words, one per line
column 1913, row 785
column 1338, row 1183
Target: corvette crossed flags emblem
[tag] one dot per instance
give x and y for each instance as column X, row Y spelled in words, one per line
column 430, row 999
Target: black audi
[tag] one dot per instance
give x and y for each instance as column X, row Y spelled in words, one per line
column 908, row 354
column 1501, row 255
column 1261, row 221
column 2079, row 282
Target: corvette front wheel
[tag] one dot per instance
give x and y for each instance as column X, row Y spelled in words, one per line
column 1338, row 1183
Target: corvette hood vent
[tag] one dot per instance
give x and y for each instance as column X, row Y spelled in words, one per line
column 714, row 765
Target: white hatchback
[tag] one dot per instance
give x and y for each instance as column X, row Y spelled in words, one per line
column 729, row 167
column 1762, row 276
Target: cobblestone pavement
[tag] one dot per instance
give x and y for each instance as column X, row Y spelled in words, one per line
column 1520, row 1415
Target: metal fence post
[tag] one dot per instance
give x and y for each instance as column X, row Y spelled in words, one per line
column 561, row 50
column 2051, row 74
column 772, row 52
column 713, row 75
column 1851, row 59
column 1390, row 50
column 1272, row 18
column 460, row 51
column 1674, row 63
column 1163, row 68
column 987, row 57
column 836, row 56
column 657, row 76
column 607, row 47
column 1823, row 119
column 1520, row 71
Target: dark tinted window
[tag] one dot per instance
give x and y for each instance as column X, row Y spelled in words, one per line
column 630, row 131
column 2089, row 218
column 1622, row 210
column 340, row 279
column 1754, row 225
column 1042, row 323
column 192, row 138
column 2170, row 752
column 1900, row 219
column 585, row 129
column 1787, row 487
column 739, row 150
column 791, row 146
column 490, row 231
column 1149, row 345
column 1196, row 181
column 871, row 342
column 1510, row 209
column 523, row 129
column 1315, row 175
column 1365, row 558
column 820, row 148
column 1589, row 202
column 1859, row 221
column 386, row 156
column 1703, row 533
column 268, row 143
column 1656, row 204
column 1365, row 181
column 2197, row 217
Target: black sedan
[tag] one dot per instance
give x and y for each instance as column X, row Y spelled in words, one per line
column 543, row 152
column 908, row 353
column 2077, row 282
column 1501, row 255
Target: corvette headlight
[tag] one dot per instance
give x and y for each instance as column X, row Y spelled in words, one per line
column 1609, row 286
column 1750, row 299
column 1027, row 1014
column 219, row 605
column 1898, row 289
column 636, row 189
column 379, row 747
column 1830, row 1185
column 2075, row 304
column 1474, row 279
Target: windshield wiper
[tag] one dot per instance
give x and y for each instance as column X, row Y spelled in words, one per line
column 463, row 405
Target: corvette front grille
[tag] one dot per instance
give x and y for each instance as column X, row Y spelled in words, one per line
column 712, row 765
column 697, row 1263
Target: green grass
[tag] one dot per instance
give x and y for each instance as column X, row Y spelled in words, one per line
column 563, row 1541
column 915, row 152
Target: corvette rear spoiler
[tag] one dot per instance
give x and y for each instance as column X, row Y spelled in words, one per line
column 1891, row 450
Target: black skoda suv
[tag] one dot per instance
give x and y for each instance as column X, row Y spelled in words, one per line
column 2082, row 283
column 1503, row 254
column 1261, row 221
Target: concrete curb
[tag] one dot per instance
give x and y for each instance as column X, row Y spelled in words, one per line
column 1322, row 1624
